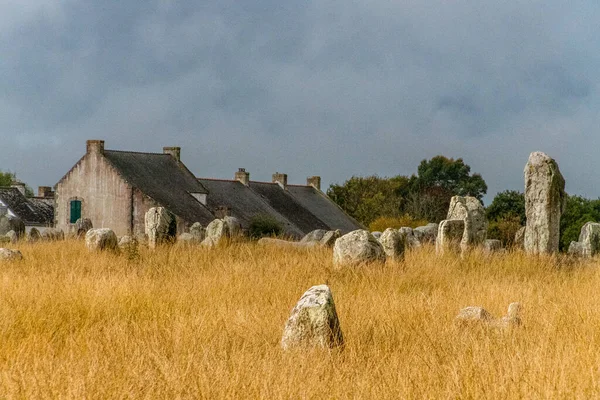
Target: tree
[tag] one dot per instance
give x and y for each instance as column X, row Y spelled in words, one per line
column 578, row 211
column 505, row 204
column 6, row 178
column 367, row 198
column 437, row 180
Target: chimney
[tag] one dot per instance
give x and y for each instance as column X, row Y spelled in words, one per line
column 95, row 146
column 175, row 152
column 45, row 191
column 242, row 176
column 281, row 179
column 20, row 186
column 314, row 181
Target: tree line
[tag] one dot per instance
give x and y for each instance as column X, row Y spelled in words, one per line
column 381, row 202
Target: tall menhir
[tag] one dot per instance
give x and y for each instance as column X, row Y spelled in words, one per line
column 545, row 201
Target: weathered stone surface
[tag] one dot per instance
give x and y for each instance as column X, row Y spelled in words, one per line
column 33, row 235
column 52, row 235
column 427, row 233
column 103, row 239
column 472, row 212
column 394, row 244
column 12, row 236
column 329, row 238
column 589, row 241
column 376, row 234
column 82, row 225
column 519, row 242
column 492, row 245
column 11, row 223
column 313, row 321
column 198, row 231
column 161, row 226
column 10, row 255
column 450, row 234
column 234, row 226
column 130, row 246
column 357, row 247
column 411, row 239
column 545, row 201
column 216, row 231
column 313, row 236
column 479, row 316
column 286, row 243
column 188, row 238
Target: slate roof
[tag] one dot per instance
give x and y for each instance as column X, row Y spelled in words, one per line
column 165, row 180
column 285, row 204
column 323, row 208
column 243, row 203
column 31, row 211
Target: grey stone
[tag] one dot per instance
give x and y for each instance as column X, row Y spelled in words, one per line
column 313, row 322
column 198, row 231
column 394, row 244
column 160, row 226
column 492, row 245
column 357, row 247
column 188, row 238
column 545, row 201
column 52, row 235
column 10, row 255
column 11, row 223
column 103, row 239
column 410, row 237
column 82, row 225
column 286, row 243
column 589, row 239
column 216, row 231
column 450, row 234
column 234, row 226
column 427, row 233
column 314, row 236
column 376, row 234
column 472, row 212
column 576, row 249
column 329, row 238
column 12, row 236
column 475, row 315
column 33, row 235
column 519, row 242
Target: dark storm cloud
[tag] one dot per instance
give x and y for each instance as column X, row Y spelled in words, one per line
column 325, row 87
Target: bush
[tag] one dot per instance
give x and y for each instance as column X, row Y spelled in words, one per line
column 264, row 225
column 504, row 229
column 382, row 223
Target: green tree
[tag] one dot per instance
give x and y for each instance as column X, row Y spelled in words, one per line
column 578, row 211
column 367, row 198
column 505, row 204
column 6, row 178
column 437, row 180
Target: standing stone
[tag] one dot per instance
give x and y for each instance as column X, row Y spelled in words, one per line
column 472, row 212
column 234, row 226
column 313, row 236
column 12, row 237
column 393, row 243
column 161, row 226
column 215, row 232
column 492, row 246
column 11, row 223
column 52, row 235
column 267, row 241
column 33, row 235
column 357, row 247
column 410, row 237
column 188, row 238
column 427, row 233
column 545, row 201
column 10, row 255
column 197, row 231
column 103, row 239
column 450, row 234
column 313, row 321
column 589, row 241
column 82, row 225
column 519, row 242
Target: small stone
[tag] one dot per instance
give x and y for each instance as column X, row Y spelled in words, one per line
column 33, row 235
column 329, row 238
column 12, row 236
column 357, row 247
column 103, row 239
column 313, row 236
column 10, row 255
column 492, row 246
column 450, row 235
column 160, row 226
column 427, row 233
column 394, row 244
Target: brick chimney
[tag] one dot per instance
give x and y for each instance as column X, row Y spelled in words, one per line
column 175, row 152
column 314, row 181
column 95, row 146
column 281, row 179
column 45, row 191
column 242, row 176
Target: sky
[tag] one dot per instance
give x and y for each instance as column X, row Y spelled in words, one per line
column 317, row 87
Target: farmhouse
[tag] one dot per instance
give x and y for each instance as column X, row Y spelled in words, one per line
column 116, row 188
column 35, row 212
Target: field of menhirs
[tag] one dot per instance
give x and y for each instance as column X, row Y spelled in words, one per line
column 191, row 322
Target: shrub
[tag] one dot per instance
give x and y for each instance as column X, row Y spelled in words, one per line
column 264, row 225
column 504, row 229
column 382, row 223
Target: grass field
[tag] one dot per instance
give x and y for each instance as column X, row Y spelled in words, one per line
column 198, row 323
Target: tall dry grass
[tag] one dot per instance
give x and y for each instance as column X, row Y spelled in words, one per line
column 197, row 323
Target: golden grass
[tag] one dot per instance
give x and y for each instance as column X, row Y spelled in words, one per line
column 198, row 323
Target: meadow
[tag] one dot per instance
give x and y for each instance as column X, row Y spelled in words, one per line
column 189, row 322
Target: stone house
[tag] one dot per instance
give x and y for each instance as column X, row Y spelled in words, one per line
column 114, row 189
column 35, row 212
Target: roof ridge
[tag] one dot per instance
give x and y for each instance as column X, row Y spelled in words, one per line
column 219, row 179
column 138, row 152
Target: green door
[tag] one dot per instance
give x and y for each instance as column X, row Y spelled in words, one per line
column 75, row 210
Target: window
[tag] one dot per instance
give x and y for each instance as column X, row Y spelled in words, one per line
column 75, row 211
